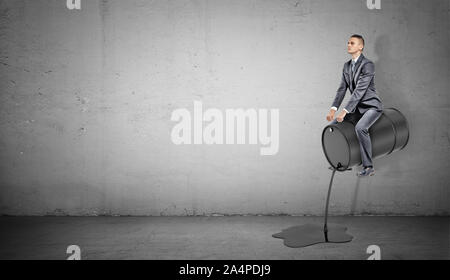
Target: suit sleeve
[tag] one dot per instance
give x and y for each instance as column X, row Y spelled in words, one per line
column 340, row 94
column 364, row 80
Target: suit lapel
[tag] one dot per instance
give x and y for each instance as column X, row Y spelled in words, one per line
column 358, row 68
column 348, row 73
column 352, row 77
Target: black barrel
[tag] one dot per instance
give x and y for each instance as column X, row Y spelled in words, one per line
column 388, row 134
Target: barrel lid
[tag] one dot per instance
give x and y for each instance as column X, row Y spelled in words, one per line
column 336, row 147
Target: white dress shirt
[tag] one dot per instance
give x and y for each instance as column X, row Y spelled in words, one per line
column 354, row 61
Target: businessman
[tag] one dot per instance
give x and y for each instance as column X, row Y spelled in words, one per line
column 364, row 106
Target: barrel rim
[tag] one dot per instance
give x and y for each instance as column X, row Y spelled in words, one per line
column 395, row 132
column 407, row 125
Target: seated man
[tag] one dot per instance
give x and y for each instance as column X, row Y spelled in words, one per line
column 364, row 107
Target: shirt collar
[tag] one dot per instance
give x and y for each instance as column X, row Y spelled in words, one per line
column 356, row 59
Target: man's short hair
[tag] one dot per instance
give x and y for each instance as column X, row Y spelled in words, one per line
column 359, row 37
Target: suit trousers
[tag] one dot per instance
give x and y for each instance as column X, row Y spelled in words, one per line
column 362, row 123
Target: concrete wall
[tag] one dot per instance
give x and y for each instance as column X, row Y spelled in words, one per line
column 87, row 96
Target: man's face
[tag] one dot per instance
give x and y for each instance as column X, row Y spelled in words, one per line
column 354, row 45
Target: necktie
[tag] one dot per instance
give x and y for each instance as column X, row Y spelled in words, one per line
column 353, row 73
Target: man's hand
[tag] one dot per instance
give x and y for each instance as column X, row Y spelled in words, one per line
column 341, row 116
column 330, row 115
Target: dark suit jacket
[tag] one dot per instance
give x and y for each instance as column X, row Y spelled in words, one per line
column 362, row 87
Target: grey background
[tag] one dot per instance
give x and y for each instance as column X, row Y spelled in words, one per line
column 86, row 99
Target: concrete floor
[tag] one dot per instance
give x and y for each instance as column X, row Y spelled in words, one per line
column 236, row 237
